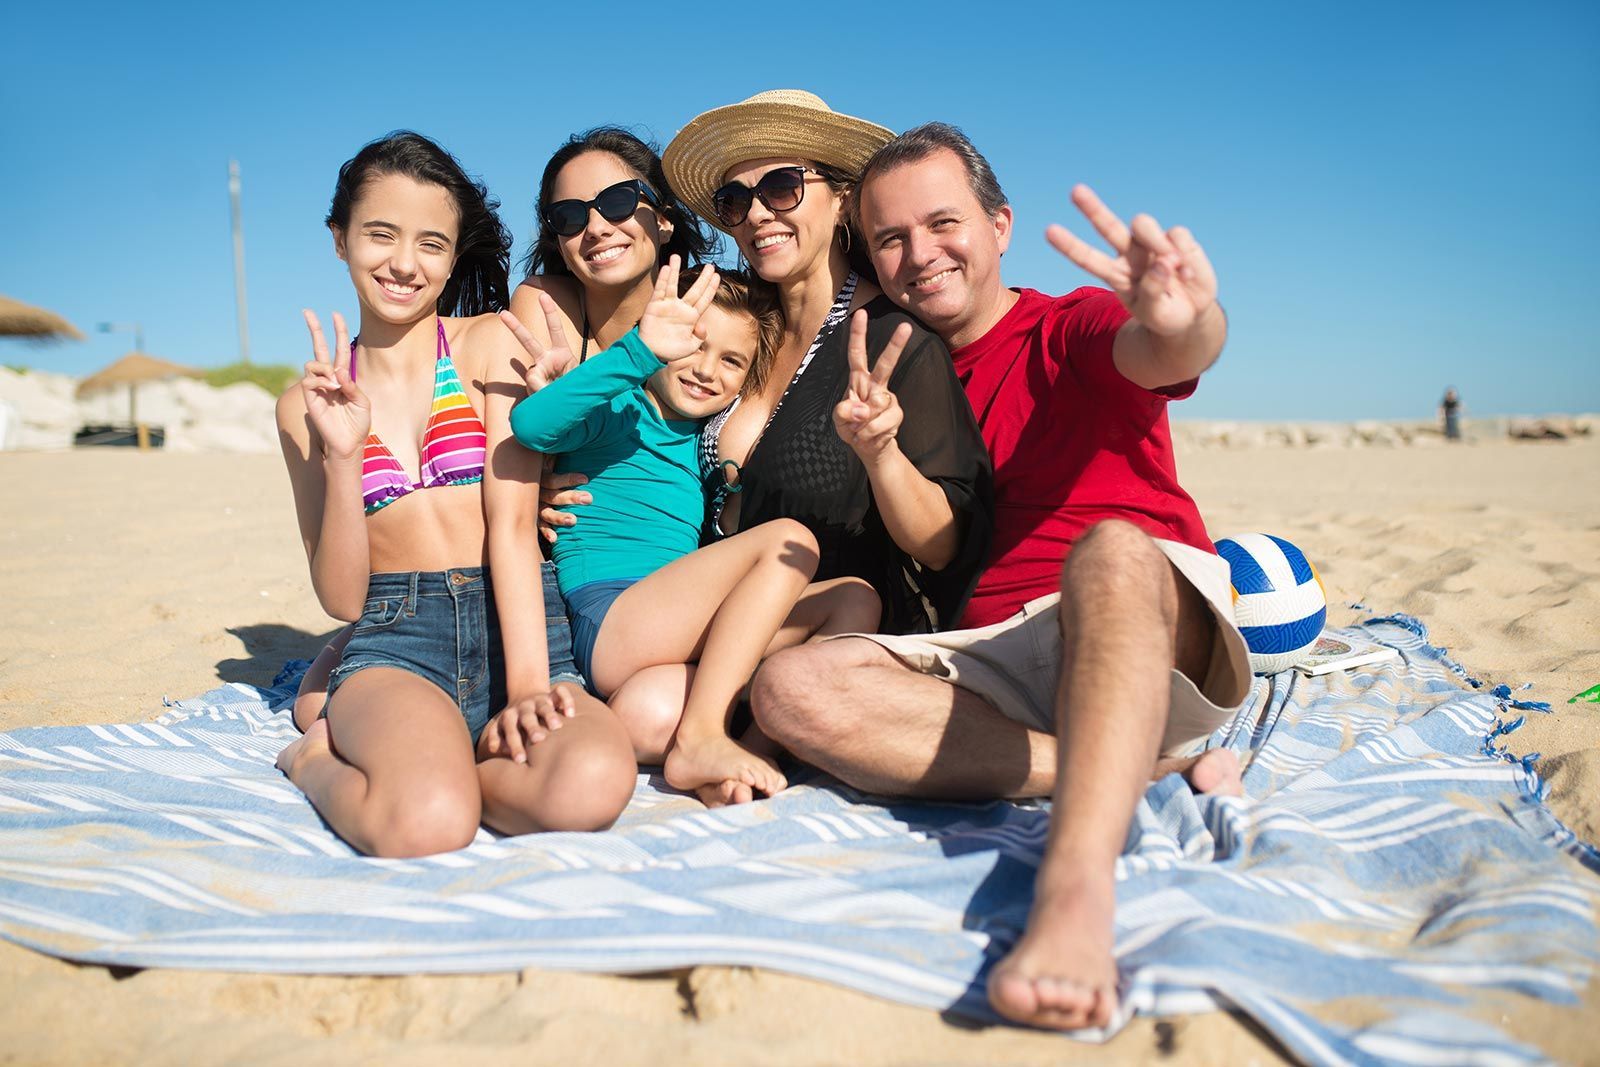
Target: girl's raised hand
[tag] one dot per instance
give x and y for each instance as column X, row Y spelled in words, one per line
column 545, row 364
column 338, row 409
column 671, row 326
column 868, row 418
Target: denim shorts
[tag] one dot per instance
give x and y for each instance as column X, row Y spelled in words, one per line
column 586, row 607
column 557, row 631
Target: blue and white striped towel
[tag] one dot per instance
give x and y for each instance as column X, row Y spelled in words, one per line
column 1388, row 857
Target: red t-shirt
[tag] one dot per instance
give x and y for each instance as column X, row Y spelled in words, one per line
column 1073, row 442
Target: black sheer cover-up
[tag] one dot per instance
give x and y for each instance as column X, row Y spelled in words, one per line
column 800, row 469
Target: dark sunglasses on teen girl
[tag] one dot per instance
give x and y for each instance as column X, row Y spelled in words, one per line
column 615, row 204
column 780, row 189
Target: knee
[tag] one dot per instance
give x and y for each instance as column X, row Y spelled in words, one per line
column 1112, row 558
column 797, row 697
column 592, row 784
column 860, row 607
column 428, row 821
column 793, row 542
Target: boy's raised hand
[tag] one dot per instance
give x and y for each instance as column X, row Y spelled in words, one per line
column 868, row 418
column 671, row 326
column 338, row 409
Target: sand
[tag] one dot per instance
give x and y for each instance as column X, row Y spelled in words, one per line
column 129, row 577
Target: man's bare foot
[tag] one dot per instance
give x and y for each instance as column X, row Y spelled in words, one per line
column 1061, row 975
column 1215, row 772
column 312, row 743
column 697, row 761
column 724, row 793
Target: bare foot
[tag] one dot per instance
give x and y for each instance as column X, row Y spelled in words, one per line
column 693, row 762
column 312, row 743
column 1215, row 772
column 1061, row 975
column 724, row 793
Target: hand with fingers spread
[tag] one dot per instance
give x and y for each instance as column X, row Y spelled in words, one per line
column 546, row 363
column 1162, row 277
column 338, row 409
column 671, row 326
column 869, row 416
column 526, row 721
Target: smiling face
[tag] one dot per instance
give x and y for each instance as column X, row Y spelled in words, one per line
column 605, row 253
column 783, row 246
column 936, row 250
column 400, row 246
column 701, row 385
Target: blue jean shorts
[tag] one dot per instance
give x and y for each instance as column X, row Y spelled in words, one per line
column 557, row 630
column 586, row 607
column 438, row 625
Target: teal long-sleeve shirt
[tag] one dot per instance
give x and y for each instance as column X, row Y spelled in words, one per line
column 643, row 472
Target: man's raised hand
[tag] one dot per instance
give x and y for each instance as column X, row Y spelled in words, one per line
column 1162, row 277
column 336, row 406
column 671, row 326
column 868, row 418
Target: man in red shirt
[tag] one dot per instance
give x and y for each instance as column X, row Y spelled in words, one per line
column 1127, row 653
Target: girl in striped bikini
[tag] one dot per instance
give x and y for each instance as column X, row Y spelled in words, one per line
column 411, row 750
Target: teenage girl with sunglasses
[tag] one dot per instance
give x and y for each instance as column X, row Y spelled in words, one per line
column 607, row 223
column 407, row 488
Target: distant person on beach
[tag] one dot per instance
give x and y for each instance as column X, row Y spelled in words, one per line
column 639, row 590
column 1128, row 654
column 441, row 712
column 1450, row 414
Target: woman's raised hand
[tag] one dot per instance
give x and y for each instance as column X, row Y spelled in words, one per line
column 1162, row 277
column 868, row 418
column 338, row 409
column 545, row 363
column 671, row 326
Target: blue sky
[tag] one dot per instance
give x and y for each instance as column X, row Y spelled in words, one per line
column 1396, row 196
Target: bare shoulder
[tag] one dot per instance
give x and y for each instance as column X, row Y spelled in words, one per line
column 564, row 290
column 292, row 407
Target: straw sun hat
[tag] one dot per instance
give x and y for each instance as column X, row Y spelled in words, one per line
column 778, row 122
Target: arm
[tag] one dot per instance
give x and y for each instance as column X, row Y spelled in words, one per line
column 1165, row 281
column 511, row 503
column 568, row 413
column 322, row 427
column 915, row 510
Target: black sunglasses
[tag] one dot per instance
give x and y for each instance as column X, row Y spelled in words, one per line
column 780, row 189
column 615, row 203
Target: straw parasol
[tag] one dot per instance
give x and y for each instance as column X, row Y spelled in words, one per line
column 132, row 369
column 24, row 320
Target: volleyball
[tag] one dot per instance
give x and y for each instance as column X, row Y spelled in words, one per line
column 1278, row 599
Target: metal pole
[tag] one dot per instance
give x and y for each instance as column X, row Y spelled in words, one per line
column 238, row 263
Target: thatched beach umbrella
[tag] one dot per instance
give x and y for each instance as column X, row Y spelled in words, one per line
column 24, row 320
column 130, row 370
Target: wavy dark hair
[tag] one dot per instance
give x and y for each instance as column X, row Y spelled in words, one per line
column 689, row 241
column 478, row 282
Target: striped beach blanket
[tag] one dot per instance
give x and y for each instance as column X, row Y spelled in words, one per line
column 1390, row 889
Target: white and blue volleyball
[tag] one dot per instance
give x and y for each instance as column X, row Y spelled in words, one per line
column 1278, row 599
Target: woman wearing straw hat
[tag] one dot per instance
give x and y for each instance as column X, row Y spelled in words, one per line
column 883, row 462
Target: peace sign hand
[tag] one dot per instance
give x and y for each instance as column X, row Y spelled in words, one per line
column 545, row 363
column 671, row 326
column 1163, row 278
column 868, row 418
column 339, row 411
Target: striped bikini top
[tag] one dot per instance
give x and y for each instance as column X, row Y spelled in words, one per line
column 453, row 441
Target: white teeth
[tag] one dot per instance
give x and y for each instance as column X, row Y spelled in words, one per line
column 396, row 287
column 608, row 255
column 695, row 392
column 935, row 280
column 772, row 239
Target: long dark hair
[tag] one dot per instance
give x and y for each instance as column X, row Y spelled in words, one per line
column 483, row 248
column 689, row 240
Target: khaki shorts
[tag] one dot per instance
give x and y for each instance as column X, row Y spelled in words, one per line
column 1015, row 665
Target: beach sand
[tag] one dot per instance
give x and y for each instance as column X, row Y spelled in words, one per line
column 131, row 577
